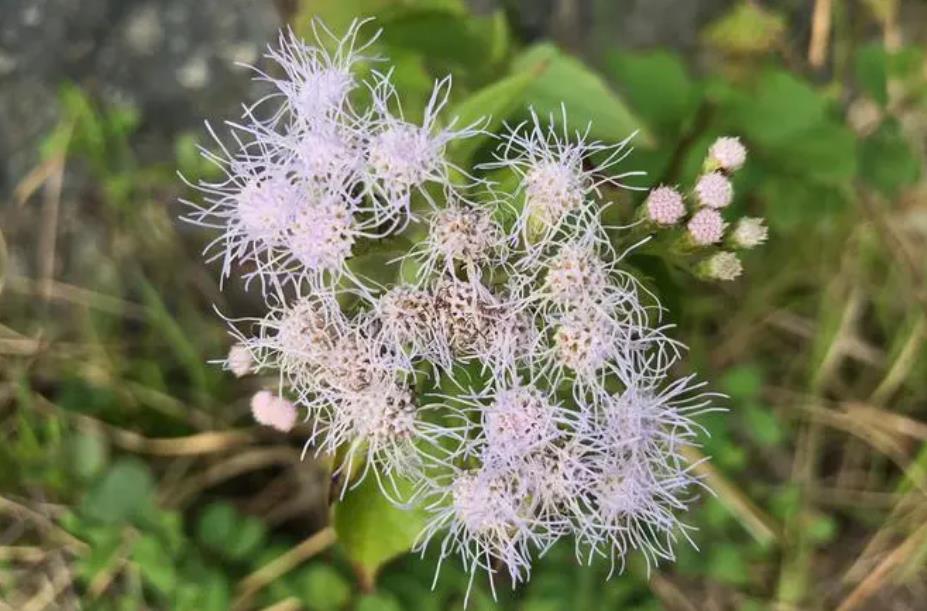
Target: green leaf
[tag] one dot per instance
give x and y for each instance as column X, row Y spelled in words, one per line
column 791, row 203
column 886, row 160
column 378, row 602
column 372, row 530
column 338, row 14
column 726, row 563
column 87, row 454
column 438, row 36
column 125, row 489
column 154, row 563
column 587, row 97
column 763, row 425
column 743, row 382
column 780, row 107
column 494, row 102
column 825, row 153
column 871, row 72
column 248, row 537
column 322, row 588
column 748, row 28
column 658, row 87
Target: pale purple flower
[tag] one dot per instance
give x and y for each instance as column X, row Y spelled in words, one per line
column 714, row 190
column 273, row 411
column 727, row 153
column 239, row 360
column 664, row 206
column 706, row 227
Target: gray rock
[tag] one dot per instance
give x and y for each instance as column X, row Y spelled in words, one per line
column 174, row 60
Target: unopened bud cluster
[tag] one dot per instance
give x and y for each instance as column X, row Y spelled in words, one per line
column 501, row 360
column 701, row 225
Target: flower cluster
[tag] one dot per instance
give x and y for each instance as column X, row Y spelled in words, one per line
column 507, row 363
column 706, row 230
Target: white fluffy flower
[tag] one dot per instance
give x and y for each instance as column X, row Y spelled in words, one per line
column 714, row 190
column 727, row 153
column 725, row 266
column 749, row 232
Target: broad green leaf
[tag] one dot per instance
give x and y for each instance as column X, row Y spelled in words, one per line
column 871, row 72
column 780, row 107
column 338, row 14
column 887, row 161
column 494, row 102
column 657, row 86
column 791, row 203
column 438, row 36
column 747, row 28
column 322, row 588
column 825, row 153
column 125, row 489
column 587, row 97
column 372, row 530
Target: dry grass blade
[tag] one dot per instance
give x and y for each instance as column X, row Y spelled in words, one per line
column 282, row 564
column 877, row 578
column 760, row 525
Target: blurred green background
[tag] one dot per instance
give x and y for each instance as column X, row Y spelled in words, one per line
column 131, row 474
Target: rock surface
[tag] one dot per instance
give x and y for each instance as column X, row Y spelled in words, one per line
column 171, row 59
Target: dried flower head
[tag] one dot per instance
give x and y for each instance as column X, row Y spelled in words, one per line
column 722, row 266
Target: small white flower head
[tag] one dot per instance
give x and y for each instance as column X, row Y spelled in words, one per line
column 321, row 233
column 464, row 315
column 576, row 275
column 584, row 341
column 706, row 227
column 485, row 520
column 380, row 420
column 273, row 411
column 714, row 190
column 403, row 157
column 664, row 206
column 239, row 361
column 408, row 318
column 329, row 154
column 318, row 78
column 559, row 171
column 467, row 235
column 724, row 266
column 519, row 422
column 749, row 232
column 727, row 153
column 264, row 207
column 635, row 511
